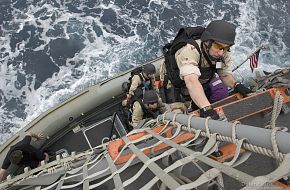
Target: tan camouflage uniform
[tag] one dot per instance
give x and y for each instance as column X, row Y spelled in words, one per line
column 137, row 113
column 187, row 59
column 136, row 81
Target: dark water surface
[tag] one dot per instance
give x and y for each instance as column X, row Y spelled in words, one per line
column 52, row 49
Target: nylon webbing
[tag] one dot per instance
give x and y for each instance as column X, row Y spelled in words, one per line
column 138, row 174
column 86, row 180
column 164, row 154
column 60, row 182
column 205, row 177
column 236, row 174
column 159, row 172
column 235, row 161
column 116, row 178
column 261, row 181
column 172, row 167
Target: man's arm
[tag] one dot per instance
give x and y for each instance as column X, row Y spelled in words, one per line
column 161, row 105
column 136, row 81
column 38, row 136
column 196, row 91
column 228, row 80
column 46, row 159
column 137, row 114
column 2, row 174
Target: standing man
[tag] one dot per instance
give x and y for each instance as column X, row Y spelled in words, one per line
column 199, row 60
column 24, row 154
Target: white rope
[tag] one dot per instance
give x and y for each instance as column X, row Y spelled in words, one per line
column 163, row 116
column 174, row 117
column 189, row 122
column 234, row 134
column 247, row 146
column 208, row 134
column 278, row 103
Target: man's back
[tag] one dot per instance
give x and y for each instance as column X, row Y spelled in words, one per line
column 31, row 155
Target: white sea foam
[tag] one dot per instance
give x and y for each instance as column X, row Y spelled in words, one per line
column 118, row 45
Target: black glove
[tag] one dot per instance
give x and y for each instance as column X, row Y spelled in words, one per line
column 240, row 88
column 208, row 112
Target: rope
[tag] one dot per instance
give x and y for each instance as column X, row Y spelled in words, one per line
column 51, row 170
column 207, row 127
column 275, row 145
column 66, row 165
column 163, row 116
column 174, row 117
column 234, row 135
column 278, row 103
column 247, row 146
column 270, row 153
column 188, row 122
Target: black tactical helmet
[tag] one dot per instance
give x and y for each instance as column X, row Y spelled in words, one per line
column 149, row 69
column 220, row 31
column 150, row 97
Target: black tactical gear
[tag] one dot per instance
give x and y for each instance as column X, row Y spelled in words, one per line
column 150, row 97
column 149, row 69
column 208, row 111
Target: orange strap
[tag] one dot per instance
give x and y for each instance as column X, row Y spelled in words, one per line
column 158, row 83
column 115, row 146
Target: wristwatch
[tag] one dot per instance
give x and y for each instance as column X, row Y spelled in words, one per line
column 206, row 108
column 236, row 83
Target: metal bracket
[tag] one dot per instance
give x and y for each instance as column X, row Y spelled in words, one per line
column 63, row 152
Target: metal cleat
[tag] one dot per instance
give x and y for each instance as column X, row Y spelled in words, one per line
column 77, row 129
column 26, row 169
column 73, row 153
column 62, row 152
column 9, row 177
column 64, row 155
column 42, row 163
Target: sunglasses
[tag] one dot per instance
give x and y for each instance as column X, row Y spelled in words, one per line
column 220, row 47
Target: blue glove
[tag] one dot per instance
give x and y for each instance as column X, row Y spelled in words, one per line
column 240, row 88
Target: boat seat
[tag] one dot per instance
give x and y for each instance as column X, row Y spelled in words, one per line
column 120, row 124
column 110, row 127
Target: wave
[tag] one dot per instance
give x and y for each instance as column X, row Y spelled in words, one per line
column 53, row 49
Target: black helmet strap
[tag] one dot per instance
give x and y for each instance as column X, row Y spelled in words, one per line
column 206, row 53
column 207, row 56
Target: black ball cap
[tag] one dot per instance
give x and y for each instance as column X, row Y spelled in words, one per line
column 150, row 97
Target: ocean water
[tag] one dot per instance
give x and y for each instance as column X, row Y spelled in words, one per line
column 52, row 49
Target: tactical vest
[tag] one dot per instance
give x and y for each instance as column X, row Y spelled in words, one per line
column 185, row 36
